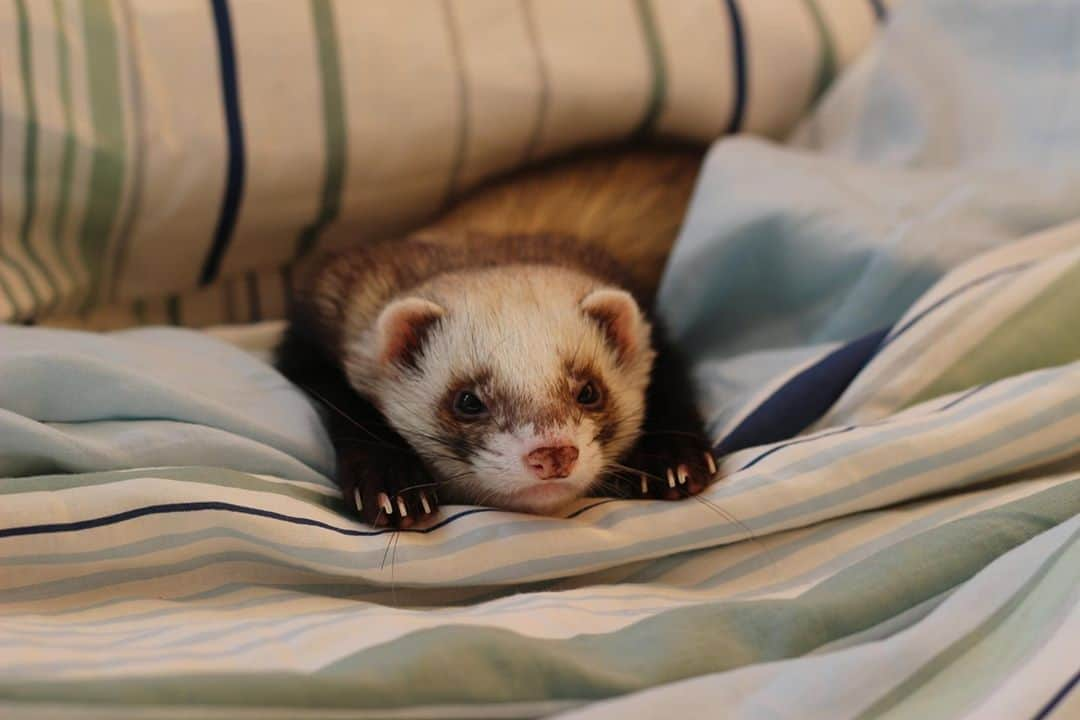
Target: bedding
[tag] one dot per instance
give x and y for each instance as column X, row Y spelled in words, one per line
column 168, row 161
column 883, row 319
column 842, row 553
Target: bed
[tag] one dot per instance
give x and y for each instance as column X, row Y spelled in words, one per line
column 883, row 316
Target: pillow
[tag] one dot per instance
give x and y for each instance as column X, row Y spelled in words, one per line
column 166, row 159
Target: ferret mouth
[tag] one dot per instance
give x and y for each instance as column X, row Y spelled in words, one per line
column 544, row 498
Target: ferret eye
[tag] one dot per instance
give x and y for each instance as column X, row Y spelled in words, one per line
column 466, row 404
column 589, row 395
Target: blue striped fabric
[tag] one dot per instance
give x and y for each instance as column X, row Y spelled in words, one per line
column 234, row 183
column 738, row 66
column 227, row 138
column 1055, row 702
column 802, row 399
column 878, row 327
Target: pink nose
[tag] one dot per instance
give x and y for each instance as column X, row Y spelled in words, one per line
column 548, row 463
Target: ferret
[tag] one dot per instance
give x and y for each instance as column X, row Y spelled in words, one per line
column 497, row 290
column 515, row 371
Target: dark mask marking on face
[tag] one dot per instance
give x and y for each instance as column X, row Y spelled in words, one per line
column 460, row 446
column 475, row 383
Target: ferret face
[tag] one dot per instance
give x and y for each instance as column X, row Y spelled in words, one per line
column 519, row 390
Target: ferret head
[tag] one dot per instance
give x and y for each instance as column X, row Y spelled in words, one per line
column 518, row 389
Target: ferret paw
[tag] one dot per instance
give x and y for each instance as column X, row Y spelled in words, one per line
column 391, row 489
column 669, row 467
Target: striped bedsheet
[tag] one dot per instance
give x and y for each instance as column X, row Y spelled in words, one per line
column 882, row 317
column 918, row 554
column 166, row 161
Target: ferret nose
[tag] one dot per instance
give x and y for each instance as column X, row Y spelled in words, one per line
column 548, row 463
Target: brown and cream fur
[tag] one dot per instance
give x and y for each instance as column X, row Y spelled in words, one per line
column 389, row 334
column 630, row 201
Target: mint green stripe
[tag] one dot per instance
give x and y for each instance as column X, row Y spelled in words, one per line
column 461, row 141
column 827, row 49
column 1039, row 335
column 119, row 261
column 109, row 154
column 4, row 287
column 67, row 158
column 484, row 711
column 335, row 140
column 661, row 649
column 1017, row 645
column 542, row 103
column 658, row 91
column 30, row 157
column 950, row 655
column 192, row 474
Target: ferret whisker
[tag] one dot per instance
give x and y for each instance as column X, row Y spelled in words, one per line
column 323, row 399
column 482, row 501
column 393, row 567
column 637, row 472
column 420, row 486
column 454, row 478
column 619, row 490
column 386, row 552
column 750, row 534
column 724, row 514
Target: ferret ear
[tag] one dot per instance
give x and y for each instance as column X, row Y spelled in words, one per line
column 401, row 329
column 619, row 317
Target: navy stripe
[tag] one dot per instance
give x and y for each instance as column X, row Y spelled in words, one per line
column 172, row 508
column 961, row 398
column 217, row 506
column 804, row 398
column 807, row 396
column 800, row 441
column 952, row 403
column 950, row 295
column 234, row 182
column 587, row 508
column 1058, row 697
column 879, row 10
column 738, row 45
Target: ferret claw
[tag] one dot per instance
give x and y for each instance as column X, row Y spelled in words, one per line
column 384, row 503
column 424, row 503
column 401, row 507
column 683, row 459
column 358, row 497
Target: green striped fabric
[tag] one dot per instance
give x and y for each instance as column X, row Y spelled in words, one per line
column 159, row 157
column 412, row 670
column 928, row 555
column 334, row 118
